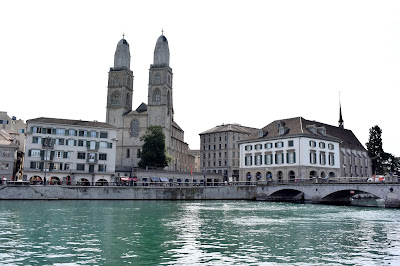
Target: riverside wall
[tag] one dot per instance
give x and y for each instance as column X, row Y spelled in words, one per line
column 127, row 193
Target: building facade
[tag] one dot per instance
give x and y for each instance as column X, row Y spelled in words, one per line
column 196, row 155
column 69, row 151
column 132, row 124
column 8, row 155
column 219, row 150
column 296, row 148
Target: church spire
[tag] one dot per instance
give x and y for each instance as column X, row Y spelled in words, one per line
column 340, row 115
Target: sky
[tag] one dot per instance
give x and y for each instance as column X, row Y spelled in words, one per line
column 245, row 62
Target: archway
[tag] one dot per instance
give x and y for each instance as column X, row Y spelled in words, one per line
column 292, row 176
column 313, row 174
column 280, row 176
column 35, row 180
column 102, row 182
column 83, row 182
column 54, row 180
column 323, row 175
column 258, row 176
column 268, row 176
column 332, row 174
column 248, row 176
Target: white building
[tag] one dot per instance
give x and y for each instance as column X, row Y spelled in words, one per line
column 69, row 151
column 297, row 148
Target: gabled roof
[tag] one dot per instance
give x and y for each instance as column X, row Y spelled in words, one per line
column 7, row 140
column 174, row 124
column 142, row 108
column 82, row 123
column 298, row 126
column 230, row 128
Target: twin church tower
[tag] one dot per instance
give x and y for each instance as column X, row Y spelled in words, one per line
column 132, row 124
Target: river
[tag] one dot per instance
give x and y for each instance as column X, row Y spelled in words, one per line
column 195, row 232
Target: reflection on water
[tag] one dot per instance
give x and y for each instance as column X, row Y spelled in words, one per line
column 195, row 232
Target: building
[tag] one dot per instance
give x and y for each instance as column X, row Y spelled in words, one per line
column 219, row 149
column 8, row 155
column 297, row 148
column 132, row 124
column 69, row 151
column 16, row 128
column 196, row 165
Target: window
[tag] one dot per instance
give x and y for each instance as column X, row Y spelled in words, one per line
column 115, row 98
column 103, row 156
column 72, row 132
column 312, row 143
column 331, row 159
column 331, row 146
column 248, row 147
column 322, row 145
column 248, row 160
column 279, row 144
column 35, row 153
column 279, row 158
column 268, row 159
column 268, row 145
column 66, row 166
column 57, row 166
column 36, row 140
column 21, row 131
column 71, row 142
column 103, row 135
column 258, row 147
column 80, row 167
column 290, row 143
column 6, row 153
column 82, row 133
column 291, row 157
column 93, row 134
column 156, row 96
column 59, row 141
column 157, row 79
column 5, row 166
column 102, row 167
column 81, row 155
column 313, row 157
column 60, row 131
column 258, row 159
column 59, row 154
column 322, row 158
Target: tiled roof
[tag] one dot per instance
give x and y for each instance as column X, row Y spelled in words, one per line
column 71, row 122
column 230, row 127
column 298, row 126
column 6, row 139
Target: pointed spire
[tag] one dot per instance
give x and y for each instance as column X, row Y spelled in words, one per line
column 340, row 114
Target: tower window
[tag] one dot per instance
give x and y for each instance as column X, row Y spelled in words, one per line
column 134, row 129
column 157, row 97
column 115, row 98
column 157, row 79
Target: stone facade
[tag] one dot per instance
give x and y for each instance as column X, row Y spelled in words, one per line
column 8, row 155
column 132, row 124
column 219, row 149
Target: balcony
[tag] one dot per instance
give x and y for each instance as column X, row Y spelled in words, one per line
column 48, row 143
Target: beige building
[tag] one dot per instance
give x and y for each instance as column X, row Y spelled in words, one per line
column 8, row 156
column 196, row 166
column 69, row 151
column 219, row 151
column 132, row 124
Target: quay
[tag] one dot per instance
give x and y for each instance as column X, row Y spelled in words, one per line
column 339, row 193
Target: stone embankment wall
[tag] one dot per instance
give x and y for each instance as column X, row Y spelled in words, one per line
column 127, row 193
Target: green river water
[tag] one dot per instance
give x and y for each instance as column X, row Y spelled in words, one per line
column 196, row 232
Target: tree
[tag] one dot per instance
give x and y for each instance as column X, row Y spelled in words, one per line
column 375, row 150
column 153, row 154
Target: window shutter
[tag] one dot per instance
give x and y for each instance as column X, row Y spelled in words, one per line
column 276, row 157
column 294, row 157
column 251, row 160
column 65, row 154
column 29, row 153
column 41, row 164
column 52, row 155
column 287, row 157
column 283, row 158
column 33, row 165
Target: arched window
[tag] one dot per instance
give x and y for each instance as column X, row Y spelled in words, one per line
column 116, row 81
column 115, row 98
column 268, row 176
column 169, row 99
column 280, row 176
column 134, row 129
column 157, row 78
column 127, row 99
column 157, row 96
column 292, row 176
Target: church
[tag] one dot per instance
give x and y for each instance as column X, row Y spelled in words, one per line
column 132, row 124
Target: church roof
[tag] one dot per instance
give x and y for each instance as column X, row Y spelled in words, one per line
column 71, row 122
column 230, row 127
column 174, row 124
column 142, row 108
column 298, row 126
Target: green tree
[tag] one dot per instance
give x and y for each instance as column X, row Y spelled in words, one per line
column 153, row 154
column 375, row 150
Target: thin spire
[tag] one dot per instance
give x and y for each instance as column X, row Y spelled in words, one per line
column 162, row 32
column 123, row 35
column 340, row 114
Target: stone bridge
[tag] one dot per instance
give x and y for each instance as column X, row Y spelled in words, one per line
column 338, row 193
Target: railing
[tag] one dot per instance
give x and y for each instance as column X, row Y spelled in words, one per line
column 126, row 184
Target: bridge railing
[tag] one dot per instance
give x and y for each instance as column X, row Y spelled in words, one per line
column 321, row 181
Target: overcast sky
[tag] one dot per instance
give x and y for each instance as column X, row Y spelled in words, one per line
column 245, row 62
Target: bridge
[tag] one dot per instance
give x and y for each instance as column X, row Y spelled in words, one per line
column 332, row 193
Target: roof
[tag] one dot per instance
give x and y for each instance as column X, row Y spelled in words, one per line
column 174, row 124
column 70, row 122
column 298, row 126
column 230, row 128
column 7, row 140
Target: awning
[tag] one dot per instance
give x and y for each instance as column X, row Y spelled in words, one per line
column 163, row 179
column 134, row 179
column 155, row 179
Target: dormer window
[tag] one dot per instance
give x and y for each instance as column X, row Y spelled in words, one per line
column 260, row 133
column 282, row 130
column 312, row 129
column 322, row 131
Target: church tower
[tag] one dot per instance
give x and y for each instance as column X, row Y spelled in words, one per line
column 120, row 85
column 160, row 104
